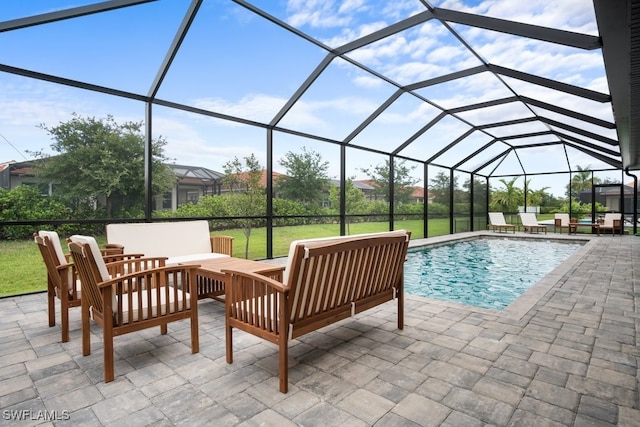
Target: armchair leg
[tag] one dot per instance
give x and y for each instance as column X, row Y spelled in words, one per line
column 163, row 329
column 51, row 303
column 86, row 332
column 195, row 336
column 64, row 315
column 229, row 339
column 401, row 309
column 108, row 355
column 283, row 367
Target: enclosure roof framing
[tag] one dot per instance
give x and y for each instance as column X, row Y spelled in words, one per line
column 480, row 110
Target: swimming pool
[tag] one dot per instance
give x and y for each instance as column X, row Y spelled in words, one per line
column 483, row 272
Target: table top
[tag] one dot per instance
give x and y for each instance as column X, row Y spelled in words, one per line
column 216, row 265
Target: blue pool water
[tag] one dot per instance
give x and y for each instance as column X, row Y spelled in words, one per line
column 489, row 273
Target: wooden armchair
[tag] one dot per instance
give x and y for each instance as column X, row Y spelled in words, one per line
column 61, row 282
column 62, row 279
column 128, row 296
column 613, row 222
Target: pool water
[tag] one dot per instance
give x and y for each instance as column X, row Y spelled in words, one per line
column 488, row 273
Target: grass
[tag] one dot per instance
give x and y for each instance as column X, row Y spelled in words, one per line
column 23, row 271
column 21, row 267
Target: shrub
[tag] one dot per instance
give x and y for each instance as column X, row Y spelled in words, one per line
column 25, row 203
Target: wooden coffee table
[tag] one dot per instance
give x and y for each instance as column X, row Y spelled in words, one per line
column 210, row 277
column 573, row 227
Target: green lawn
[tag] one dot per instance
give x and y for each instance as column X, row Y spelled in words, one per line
column 22, row 269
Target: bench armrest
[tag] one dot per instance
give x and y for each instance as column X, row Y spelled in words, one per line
column 256, row 301
column 222, row 245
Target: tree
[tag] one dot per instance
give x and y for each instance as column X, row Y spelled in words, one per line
column 99, row 158
column 440, row 187
column 355, row 202
column 535, row 197
column 403, row 182
column 306, row 178
column 509, row 198
column 247, row 198
column 581, row 181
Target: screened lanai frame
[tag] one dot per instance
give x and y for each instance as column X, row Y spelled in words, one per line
column 538, row 124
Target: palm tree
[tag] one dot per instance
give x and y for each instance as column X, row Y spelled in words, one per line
column 509, row 198
column 535, row 197
column 581, row 180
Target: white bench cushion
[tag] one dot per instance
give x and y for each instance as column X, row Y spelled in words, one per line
column 168, row 239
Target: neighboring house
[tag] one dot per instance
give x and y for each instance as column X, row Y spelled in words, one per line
column 192, row 183
column 243, row 176
column 14, row 174
column 609, row 196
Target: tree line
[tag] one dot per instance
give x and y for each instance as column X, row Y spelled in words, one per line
column 98, row 173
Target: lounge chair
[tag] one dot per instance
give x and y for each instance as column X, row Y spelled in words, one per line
column 613, row 222
column 530, row 222
column 562, row 220
column 148, row 296
column 498, row 223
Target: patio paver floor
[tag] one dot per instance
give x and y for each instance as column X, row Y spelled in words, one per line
column 567, row 355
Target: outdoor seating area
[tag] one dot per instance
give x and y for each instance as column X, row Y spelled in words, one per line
column 566, row 356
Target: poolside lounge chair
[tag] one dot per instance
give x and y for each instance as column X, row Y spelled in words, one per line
column 530, row 222
column 148, row 296
column 613, row 222
column 562, row 220
column 498, row 223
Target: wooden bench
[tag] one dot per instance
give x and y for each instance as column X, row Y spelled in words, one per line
column 180, row 241
column 327, row 280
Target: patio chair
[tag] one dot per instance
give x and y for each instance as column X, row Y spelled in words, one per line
column 530, row 222
column 613, row 222
column 145, row 297
column 62, row 278
column 498, row 223
column 562, row 220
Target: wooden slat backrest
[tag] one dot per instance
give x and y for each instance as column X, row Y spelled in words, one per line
column 88, row 272
column 50, row 260
column 330, row 277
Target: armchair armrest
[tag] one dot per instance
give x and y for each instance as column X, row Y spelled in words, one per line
column 151, row 273
column 109, row 258
column 114, row 248
column 136, row 264
column 154, row 293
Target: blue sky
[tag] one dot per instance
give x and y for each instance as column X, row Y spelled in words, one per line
column 237, row 63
